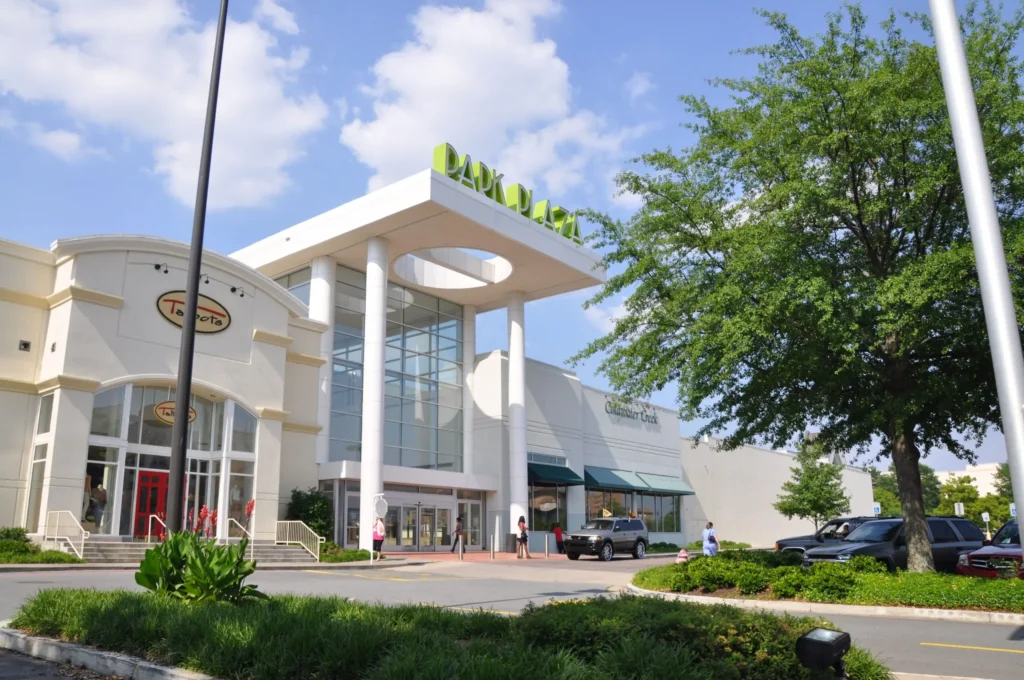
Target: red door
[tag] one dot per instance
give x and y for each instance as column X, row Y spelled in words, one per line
column 150, row 499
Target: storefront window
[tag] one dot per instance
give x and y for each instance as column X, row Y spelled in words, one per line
column 297, row 283
column 240, row 492
column 243, row 434
column 35, row 488
column 97, row 497
column 107, row 408
column 547, row 507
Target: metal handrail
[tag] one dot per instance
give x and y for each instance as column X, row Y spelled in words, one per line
column 63, row 525
column 149, row 531
column 232, row 520
column 297, row 532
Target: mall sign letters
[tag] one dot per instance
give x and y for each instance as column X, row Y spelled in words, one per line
column 488, row 182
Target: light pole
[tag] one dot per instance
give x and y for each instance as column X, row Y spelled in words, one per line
column 996, row 295
column 179, row 432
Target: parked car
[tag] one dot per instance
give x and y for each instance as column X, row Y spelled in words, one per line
column 999, row 558
column 606, row 536
column 832, row 532
column 883, row 539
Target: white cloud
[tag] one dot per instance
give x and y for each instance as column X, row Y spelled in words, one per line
column 486, row 82
column 638, row 85
column 277, row 16
column 64, row 144
column 142, row 69
column 603, row 319
column 622, row 198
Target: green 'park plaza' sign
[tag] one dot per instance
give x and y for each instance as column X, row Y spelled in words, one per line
column 479, row 177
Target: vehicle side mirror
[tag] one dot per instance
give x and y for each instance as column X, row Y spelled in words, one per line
column 819, row 538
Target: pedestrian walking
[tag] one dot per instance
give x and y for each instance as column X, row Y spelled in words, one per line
column 378, row 536
column 559, row 546
column 710, row 540
column 457, row 536
column 523, row 547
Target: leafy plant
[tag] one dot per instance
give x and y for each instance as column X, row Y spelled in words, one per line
column 331, row 552
column 697, row 546
column 862, row 564
column 788, row 582
column 815, row 491
column 661, row 547
column 312, row 507
column 12, row 546
column 829, row 582
column 191, row 568
column 752, row 578
column 14, row 534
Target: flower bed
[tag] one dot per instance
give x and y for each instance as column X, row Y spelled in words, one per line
column 863, row 581
column 293, row 637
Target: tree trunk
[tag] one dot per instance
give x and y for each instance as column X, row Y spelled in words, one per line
column 905, row 458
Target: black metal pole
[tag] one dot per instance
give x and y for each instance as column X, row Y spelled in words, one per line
column 183, row 397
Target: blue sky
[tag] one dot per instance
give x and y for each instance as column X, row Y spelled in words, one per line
column 101, row 112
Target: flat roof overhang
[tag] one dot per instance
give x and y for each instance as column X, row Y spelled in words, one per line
column 427, row 214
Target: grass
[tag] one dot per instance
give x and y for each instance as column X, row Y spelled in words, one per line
column 16, row 549
column 307, row 637
column 863, row 583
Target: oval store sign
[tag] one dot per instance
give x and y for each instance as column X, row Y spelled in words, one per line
column 211, row 317
column 164, row 412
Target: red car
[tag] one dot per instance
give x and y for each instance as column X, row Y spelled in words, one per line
column 999, row 558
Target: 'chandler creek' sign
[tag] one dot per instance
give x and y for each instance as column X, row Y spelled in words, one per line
column 625, row 411
column 488, row 182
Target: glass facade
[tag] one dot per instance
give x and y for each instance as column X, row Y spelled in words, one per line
column 661, row 512
column 423, row 379
column 548, row 506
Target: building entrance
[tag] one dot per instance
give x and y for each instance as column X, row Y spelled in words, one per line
column 150, row 500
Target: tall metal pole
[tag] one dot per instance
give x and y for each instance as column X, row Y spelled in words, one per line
column 996, row 295
column 183, row 396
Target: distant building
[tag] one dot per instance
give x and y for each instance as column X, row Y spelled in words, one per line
column 983, row 476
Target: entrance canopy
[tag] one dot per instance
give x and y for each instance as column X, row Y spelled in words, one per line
column 443, row 238
column 554, row 475
column 622, row 480
column 664, row 484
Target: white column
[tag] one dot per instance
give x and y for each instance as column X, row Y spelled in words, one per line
column 321, row 308
column 371, row 468
column 468, row 368
column 518, row 488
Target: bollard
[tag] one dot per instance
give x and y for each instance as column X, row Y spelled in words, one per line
column 492, row 547
column 546, row 542
column 461, row 547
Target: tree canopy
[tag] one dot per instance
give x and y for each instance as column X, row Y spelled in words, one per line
column 815, row 491
column 887, row 493
column 808, row 262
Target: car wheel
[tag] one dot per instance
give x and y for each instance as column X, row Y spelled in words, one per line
column 640, row 550
column 606, row 552
column 573, row 556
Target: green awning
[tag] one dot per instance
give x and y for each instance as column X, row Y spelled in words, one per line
column 663, row 484
column 622, row 480
column 539, row 473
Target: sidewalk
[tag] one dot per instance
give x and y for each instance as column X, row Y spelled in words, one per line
column 391, row 562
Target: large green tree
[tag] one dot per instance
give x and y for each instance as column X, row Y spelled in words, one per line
column 884, row 485
column 815, row 490
column 807, row 261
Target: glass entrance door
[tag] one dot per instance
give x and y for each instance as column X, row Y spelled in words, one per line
column 409, row 517
column 444, row 528
column 471, row 513
column 352, row 523
column 427, row 528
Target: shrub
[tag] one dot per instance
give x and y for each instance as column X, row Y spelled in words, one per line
column 312, row 507
column 752, row 579
column 724, row 545
column 862, row 564
column 14, row 534
column 661, row 547
column 711, row 574
column 829, row 582
column 193, row 569
column 944, row 591
column 764, row 558
column 788, row 582
column 10, row 546
column 331, row 552
column 39, row 557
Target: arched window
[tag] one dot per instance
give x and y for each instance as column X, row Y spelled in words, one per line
column 129, row 450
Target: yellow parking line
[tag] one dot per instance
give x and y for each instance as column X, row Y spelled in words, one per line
column 376, row 577
column 977, row 649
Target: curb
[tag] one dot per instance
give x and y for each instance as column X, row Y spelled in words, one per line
column 132, row 566
column 795, row 607
column 105, row 663
column 915, row 676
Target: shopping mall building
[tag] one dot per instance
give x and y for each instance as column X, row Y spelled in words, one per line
column 338, row 353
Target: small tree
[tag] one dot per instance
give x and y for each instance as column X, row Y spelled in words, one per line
column 957, row 490
column 314, row 508
column 1004, row 489
column 816, row 490
column 998, row 509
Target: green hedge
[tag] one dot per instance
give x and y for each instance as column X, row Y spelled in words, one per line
column 15, row 548
column 724, row 545
column 291, row 637
column 862, row 581
column 330, row 552
column 660, row 547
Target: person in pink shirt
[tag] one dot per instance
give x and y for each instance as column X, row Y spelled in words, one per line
column 378, row 536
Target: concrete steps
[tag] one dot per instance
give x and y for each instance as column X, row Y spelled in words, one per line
column 114, row 552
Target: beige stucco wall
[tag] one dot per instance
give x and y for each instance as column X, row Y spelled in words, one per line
column 90, row 310
column 736, row 490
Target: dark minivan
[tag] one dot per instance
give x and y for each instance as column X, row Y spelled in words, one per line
column 883, row 539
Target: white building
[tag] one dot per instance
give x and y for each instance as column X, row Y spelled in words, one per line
column 339, row 353
column 984, row 476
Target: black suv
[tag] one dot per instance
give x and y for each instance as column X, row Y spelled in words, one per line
column 606, row 536
column 829, row 533
column 883, row 539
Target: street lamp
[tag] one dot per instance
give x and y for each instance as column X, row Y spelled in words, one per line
column 183, row 395
column 989, row 255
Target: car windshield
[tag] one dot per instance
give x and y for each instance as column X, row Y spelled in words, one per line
column 599, row 524
column 874, row 532
column 1008, row 535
